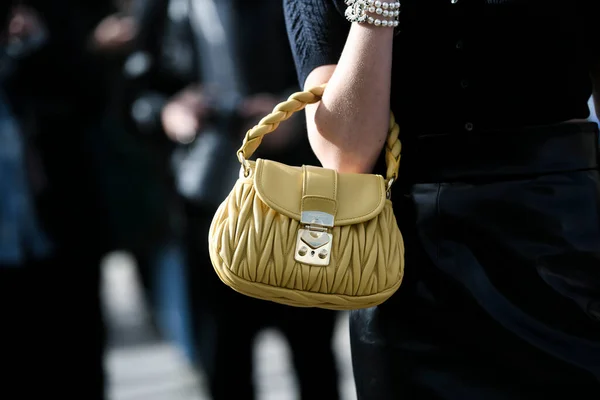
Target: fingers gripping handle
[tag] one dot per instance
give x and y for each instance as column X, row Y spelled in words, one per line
column 297, row 102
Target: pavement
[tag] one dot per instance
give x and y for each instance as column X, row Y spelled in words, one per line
column 143, row 366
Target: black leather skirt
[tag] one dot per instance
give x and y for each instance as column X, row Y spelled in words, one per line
column 501, row 297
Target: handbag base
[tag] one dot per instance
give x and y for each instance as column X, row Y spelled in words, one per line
column 300, row 298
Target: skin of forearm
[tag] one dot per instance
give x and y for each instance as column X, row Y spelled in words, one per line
column 348, row 127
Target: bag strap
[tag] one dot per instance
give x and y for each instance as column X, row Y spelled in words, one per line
column 297, row 102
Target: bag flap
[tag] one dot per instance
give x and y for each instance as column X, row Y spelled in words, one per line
column 353, row 198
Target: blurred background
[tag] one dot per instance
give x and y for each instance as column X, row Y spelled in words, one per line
column 143, row 365
column 119, row 122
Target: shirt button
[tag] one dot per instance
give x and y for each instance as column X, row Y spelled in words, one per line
column 464, row 83
column 469, row 126
column 453, row 1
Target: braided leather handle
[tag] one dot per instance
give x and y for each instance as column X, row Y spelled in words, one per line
column 297, row 102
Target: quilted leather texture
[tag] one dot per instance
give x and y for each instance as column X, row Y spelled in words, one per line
column 252, row 248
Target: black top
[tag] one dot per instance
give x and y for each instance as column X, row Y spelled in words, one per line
column 470, row 64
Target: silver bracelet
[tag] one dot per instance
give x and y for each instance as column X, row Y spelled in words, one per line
column 374, row 12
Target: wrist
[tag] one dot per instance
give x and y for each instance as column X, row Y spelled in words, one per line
column 373, row 12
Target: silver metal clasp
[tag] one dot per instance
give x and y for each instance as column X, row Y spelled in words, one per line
column 388, row 188
column 314, row 239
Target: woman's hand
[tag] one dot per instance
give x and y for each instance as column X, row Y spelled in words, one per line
column 114, row 33
column 182, row 116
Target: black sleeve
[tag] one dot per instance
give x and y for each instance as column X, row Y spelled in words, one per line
column 317, row 31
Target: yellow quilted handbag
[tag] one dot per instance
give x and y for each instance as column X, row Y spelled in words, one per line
column 308, row 236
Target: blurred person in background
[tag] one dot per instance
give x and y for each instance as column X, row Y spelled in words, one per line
column 202, row 73
column 52, row 216
column 130, row 171
column 134, row 170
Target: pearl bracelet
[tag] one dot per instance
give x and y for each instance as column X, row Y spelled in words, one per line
column 369, row 10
